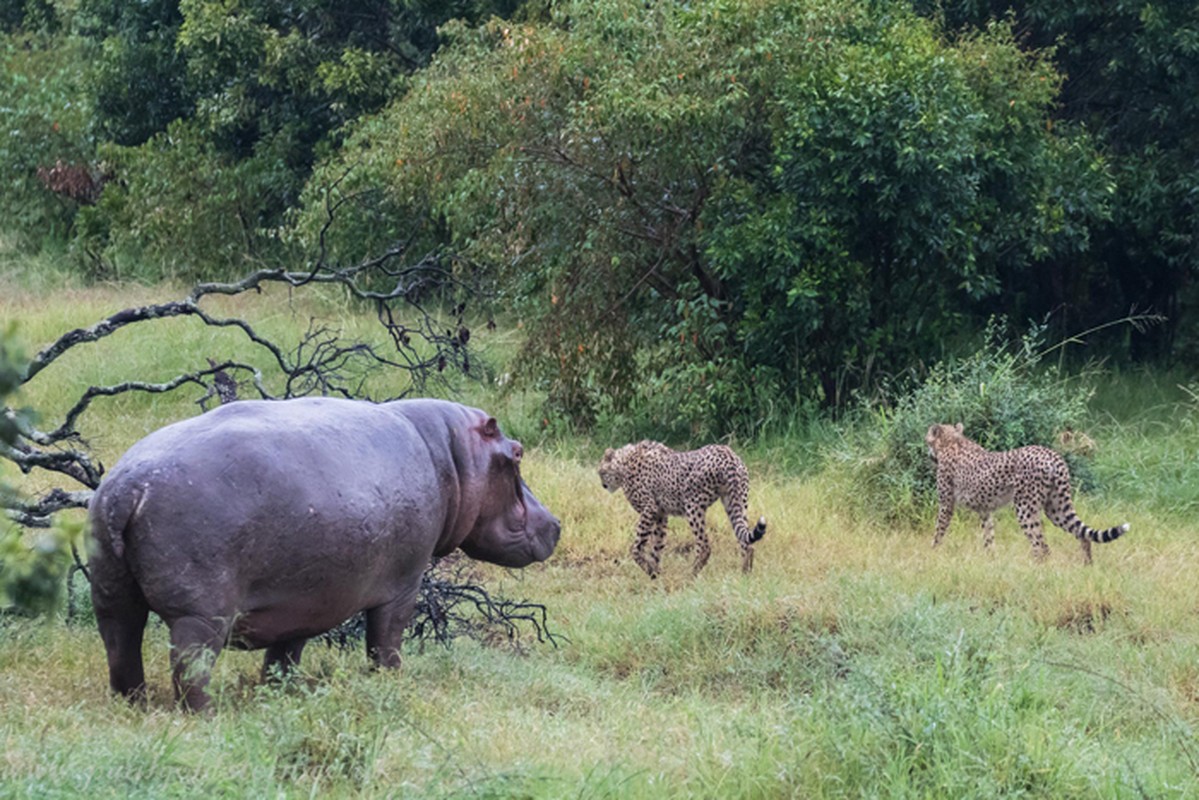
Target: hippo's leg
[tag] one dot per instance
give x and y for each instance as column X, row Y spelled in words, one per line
column 122, row 624
column 281, row 658
column 195, row 644
column 385, row 626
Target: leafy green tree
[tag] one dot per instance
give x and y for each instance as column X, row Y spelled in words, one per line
column 28, row 16
column 1132, row 78
column 136, row 77
column 46, row 153
column 706, row 209
column 220, row 109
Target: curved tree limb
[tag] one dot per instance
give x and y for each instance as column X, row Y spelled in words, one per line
column 321, row 362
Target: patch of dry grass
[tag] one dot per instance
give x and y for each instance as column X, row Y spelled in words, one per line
column 855, row 659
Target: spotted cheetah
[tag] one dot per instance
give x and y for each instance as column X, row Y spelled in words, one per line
column 660, row 482
column 1033, row 478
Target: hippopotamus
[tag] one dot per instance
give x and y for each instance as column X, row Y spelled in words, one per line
column 263, row 523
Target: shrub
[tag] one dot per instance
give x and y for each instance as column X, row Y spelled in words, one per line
column 1004, row 394
column 45, row 125
column 183, row 209
column 31, row 578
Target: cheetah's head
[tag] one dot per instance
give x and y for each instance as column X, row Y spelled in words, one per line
column 612, row 468
column 940, row 435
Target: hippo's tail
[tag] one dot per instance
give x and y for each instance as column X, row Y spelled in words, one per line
column 112, row 512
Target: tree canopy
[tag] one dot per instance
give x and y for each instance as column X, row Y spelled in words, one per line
column 702, row 211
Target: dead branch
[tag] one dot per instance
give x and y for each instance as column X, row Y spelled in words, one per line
column 322, row 362
column 452, row 604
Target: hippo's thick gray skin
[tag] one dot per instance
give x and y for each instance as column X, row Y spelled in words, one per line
column 260, row 524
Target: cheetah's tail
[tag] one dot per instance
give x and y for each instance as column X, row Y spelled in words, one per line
column 759, row 530
column 1105, row 535
column 1080, row 529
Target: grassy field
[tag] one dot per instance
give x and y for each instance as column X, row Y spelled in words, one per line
column 855, row 661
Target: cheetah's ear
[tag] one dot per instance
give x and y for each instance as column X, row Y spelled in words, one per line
column 958, row 427
column 608, row 454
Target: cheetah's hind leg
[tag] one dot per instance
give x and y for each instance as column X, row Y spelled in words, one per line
column 696, row 514
column 988, row 524
column 1028, row 512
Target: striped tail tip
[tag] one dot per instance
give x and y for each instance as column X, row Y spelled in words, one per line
column 1111, row 533
column 759, row 530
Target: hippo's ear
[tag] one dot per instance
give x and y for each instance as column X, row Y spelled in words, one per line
column 491, row 428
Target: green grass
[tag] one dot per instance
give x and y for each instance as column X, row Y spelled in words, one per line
column 855, row 661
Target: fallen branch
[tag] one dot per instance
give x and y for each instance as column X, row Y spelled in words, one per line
column 452, row 604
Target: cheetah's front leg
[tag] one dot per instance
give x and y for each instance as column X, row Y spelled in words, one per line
column 944, row 514
column 651, row 530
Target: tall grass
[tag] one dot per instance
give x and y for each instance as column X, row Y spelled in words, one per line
column 1146, row 426
column 855, row 661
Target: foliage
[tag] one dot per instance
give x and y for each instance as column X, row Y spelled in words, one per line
column 28, row 15
column 214, row 113
column 184, row 209
column 135, row 76
column 1133, row 81
column 31, row 578
column 702, row 211
column 45, row 119
column 1004, row 394
column 741, row 202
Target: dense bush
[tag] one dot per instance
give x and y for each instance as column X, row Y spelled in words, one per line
column 44, row 125
column 213, row 114
column 1133, row 80
column 184, row 209
column 701, row 211
column 1005, row 394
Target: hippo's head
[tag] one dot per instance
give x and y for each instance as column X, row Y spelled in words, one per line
column 513, row 528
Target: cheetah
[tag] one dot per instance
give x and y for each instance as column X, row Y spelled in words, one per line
column 661, row 482
column 1033, row 478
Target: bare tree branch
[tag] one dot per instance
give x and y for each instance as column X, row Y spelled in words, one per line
column 38, row 515
column 452, row 603
column 423, row 346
